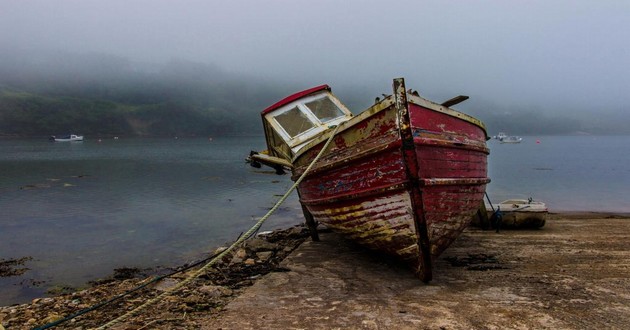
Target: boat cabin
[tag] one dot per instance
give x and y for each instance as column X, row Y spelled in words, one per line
column 297, row 119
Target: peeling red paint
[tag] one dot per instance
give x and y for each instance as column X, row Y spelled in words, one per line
column 401, row 178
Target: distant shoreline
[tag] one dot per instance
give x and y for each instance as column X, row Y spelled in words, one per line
column 590, row 214
column 123, row 136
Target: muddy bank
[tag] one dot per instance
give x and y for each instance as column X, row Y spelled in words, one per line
column 13, row 267
column 574, row 273
column 205, row 296
column 571, row 274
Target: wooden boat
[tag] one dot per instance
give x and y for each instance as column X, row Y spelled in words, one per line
column 520, row 213
column 403, row 177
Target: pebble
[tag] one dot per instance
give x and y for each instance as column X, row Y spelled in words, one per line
column 193, row 299
column 236, row 260
column 215, row 291
column 257, row 244
column 166, row 284
column 241, row 253
column 52, row 317
column 252, row 252
column 264, row 256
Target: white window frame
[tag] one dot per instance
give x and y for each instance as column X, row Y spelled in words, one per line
column 319, row 126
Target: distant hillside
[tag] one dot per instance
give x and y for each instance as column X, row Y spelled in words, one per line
column 102, row 95
column 110, row 96
column 25, row 114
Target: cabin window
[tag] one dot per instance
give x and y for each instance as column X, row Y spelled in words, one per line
column 324, row 109
column 294, row 122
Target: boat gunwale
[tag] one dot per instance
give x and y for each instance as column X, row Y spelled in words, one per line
column 384, row 104
column 426, row 182
column 420, row 101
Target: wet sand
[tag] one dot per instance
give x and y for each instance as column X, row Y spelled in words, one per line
column 573, row 273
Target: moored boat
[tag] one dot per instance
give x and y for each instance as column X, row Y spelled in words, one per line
column 500, row 136
column 504, row 138
column 66, row 138
column 403, row 177
column 520, row 213
column 511, row 139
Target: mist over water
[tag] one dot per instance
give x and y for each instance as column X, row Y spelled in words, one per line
column 542, row 63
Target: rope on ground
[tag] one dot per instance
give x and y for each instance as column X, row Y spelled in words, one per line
column 238, row 242
column 122, row 295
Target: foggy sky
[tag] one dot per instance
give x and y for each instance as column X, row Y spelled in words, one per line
column 559, row 56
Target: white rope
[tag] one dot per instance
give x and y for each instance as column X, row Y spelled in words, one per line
column 239, row 241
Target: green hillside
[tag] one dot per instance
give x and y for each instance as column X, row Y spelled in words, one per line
column 102, row 95
column 26, row 114
column 106, row 96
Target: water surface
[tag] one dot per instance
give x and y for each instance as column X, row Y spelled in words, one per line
column 82, row 209
column 569, row 173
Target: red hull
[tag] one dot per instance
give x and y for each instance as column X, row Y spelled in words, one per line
column 404, row 177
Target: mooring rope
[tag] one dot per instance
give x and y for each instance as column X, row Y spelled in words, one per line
column 239, row 241
column 487, row 197
column 122, row 295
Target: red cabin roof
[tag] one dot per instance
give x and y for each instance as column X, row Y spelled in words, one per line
column 294, row 97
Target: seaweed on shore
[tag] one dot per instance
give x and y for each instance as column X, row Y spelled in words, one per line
column 206, row 295
column 13, row 267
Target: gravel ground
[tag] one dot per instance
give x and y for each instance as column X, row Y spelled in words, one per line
column 574, row 273
column 205, row 296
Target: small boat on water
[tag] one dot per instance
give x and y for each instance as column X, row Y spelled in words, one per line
column 520, row 213
column 511, row 139
column 500, row 136
column 403, row 177
column 504, row 138
column 66, row 138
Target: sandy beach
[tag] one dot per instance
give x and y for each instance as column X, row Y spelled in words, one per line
column 571, row 274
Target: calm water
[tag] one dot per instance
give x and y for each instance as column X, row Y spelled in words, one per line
column 83, row 209
column 569, row 173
